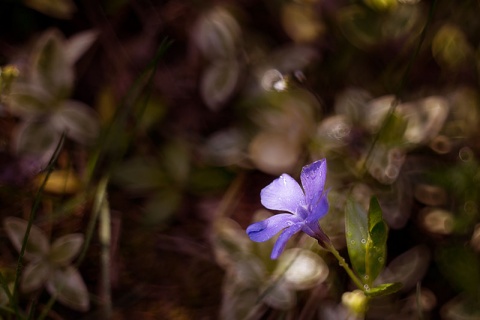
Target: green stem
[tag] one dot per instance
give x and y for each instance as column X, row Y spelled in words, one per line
column 104, row 234
column 33, row 211
column 345, row 266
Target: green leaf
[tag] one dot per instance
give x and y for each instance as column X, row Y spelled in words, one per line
column 37, row 244
column 34, row 275
column 65, row 248
column 366, row 239
column 376, row 248
column 69, row 288
column 384, row 289
column 356, row 227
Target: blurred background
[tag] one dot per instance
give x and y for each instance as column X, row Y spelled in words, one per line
column 165, row 119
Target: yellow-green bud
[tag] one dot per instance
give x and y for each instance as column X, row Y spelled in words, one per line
column 356, row 302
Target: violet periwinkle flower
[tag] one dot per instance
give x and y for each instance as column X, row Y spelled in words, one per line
column 306, row 207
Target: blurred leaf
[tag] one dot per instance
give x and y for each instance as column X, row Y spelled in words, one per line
column 36, row 139
column 238, row 302
column 217, row 33
column 360, row 26
column 161, row 207
column 393, row 131
column 60, row 182
column 365, row 28
column 105, row 104
column 154, row 111
column 249, row 271
column 51, row 69
column 78, row 44
column 376, row 249
column 301, row 269
column 34, row 275
column 273, row 152
column 77, row 120
column 37, row 244
column 139, row 174
column 208, row 179
column 425, row 118
column 30, row 100
column 68, row 286
column 383, row 289
column 230, row 242
column 450, row 47
column 64, row 249
column 279, row 296
column 301, row 22
column 356, row 228
column 218, row 83
column 175, row 159
column 61, row 9
column 290, row 58
column 407, row 268
column 381, row 5
column 461, row 266
column 462, row 307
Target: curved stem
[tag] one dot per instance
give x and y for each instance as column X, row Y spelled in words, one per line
column 345, row 266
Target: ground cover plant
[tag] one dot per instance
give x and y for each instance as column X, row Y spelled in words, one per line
column 307, row 159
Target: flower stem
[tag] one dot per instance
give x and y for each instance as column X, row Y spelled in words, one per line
column 345, row 266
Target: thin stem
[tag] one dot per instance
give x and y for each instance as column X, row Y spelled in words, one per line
column 104, row 234
column 345, row 266
column 33, row 211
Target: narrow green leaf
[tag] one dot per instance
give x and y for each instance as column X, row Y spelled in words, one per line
column 377, row 242
column 356, row 228
column 384, row 289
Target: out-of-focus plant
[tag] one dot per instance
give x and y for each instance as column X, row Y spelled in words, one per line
column 61, row 9
column 253, row 280
column 218, row 36
column 366, row 234
column 50, row 265
column 40, row 97
column 166, row 178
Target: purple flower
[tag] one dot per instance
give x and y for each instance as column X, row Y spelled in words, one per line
column 306, row 207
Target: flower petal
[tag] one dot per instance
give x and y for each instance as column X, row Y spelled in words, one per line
column 284, row 194
column 313, row 181
column 266, row 229
column 318, row 210
column 282, row 240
